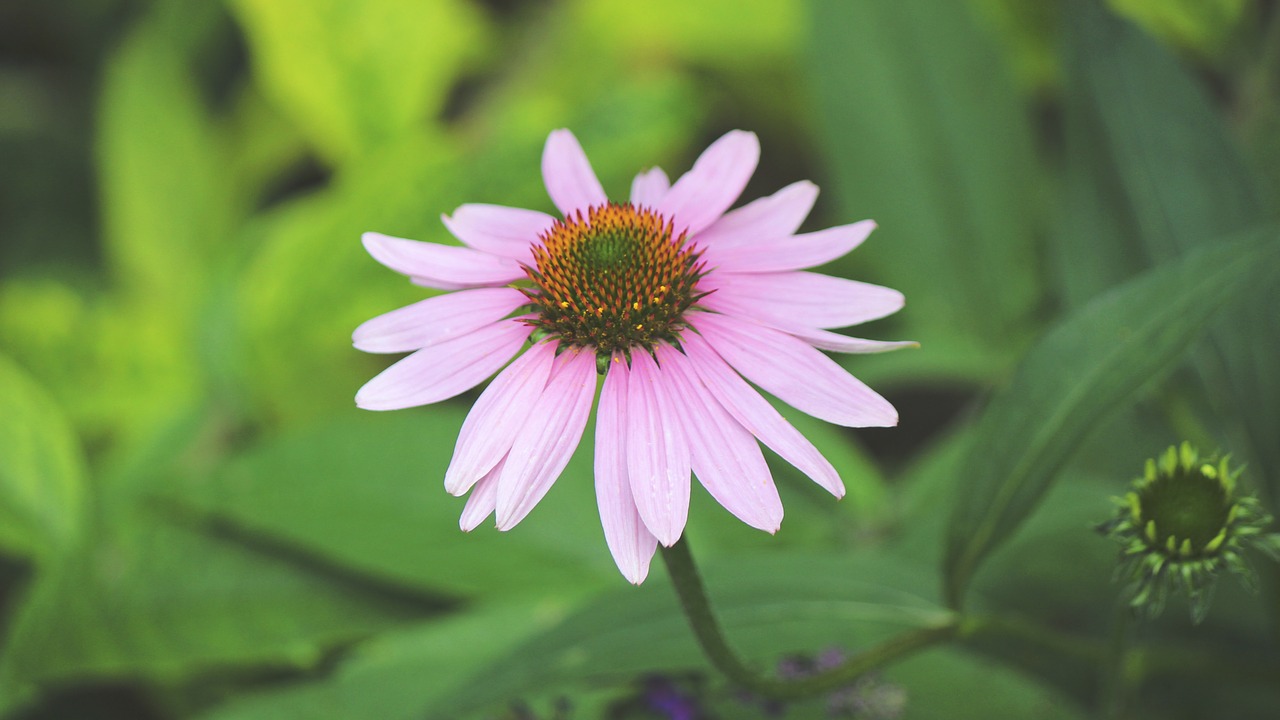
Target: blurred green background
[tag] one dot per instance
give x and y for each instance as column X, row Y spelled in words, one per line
column 195, row 521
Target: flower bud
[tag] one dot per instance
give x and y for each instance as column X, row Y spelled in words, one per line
column 1181, row 525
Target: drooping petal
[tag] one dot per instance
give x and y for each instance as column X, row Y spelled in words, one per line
column 567, row 173
column 716, row 180
column 726, row 458
column 796, row 252
column 499, row 414
column 550, row 435
column 795, row 372
column 835, row 342
column 441, row 266
column 483, row 499
column 649, row 187
column 760, row 418
column 776, row 216
column 798, row 299
column 445, row 369
column 630, row 542
column 499, row 230
column 436, row 319
column 658, row 460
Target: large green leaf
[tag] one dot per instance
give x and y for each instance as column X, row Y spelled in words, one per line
column 399, row 674
column 770, row 605
column 1083, row 370
column 147, row 598
column 924, row 133
column 42, row 493
column 365, row 491
column 355, row 75
column 1186, row 185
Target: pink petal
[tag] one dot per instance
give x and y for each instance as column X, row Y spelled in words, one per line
column 445, row 369
column 436, row 319
column 498, row 230
column 500, row 412
column 630, row 542
column 716, row 180
column 648, row 189
column 726, row 458
column 835, row 342
column 658, row 460
column 795, row 372
column 451, row 267
column 776, row 216
column 567, row 173
column 760, row 418
column 798, row 299
column 550, row 434
column 793, row 253
column 483, row 499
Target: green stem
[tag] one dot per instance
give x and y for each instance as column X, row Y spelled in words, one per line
column 697, row 609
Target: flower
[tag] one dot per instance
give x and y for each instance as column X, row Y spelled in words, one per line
column 1181, row 525
column 671, row 297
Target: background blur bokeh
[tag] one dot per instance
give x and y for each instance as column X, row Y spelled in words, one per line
column 195, row 521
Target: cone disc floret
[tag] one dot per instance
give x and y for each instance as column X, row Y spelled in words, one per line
column 1181, row 524
column 614, row 279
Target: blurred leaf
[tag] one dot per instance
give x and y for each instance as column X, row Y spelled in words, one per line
column 115, row 365
column 42, row 493
column 1078, row 374
column 1186, row 185
column 365, row 492
column 354, row 76
column 728, row 33
column 1201, row 24
column 925, row 134
column 398, row 674
column 955, row 685
column 769, row 605
column 168, row 203
column 151, row 599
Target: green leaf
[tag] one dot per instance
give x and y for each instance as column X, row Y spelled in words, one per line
column 770, row 605
column 365, row 492
column 1076, row 376
column 354, row 76
column 1201, row 24
column 167, row 195
column 925, row 134
column 42, row 493
column 1185, row 184
column 395, row 676
column 149, row 598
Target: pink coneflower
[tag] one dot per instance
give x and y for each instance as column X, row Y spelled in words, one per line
column 670, row 298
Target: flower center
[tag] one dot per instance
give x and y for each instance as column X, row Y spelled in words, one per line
column 1185, row 505
column 615, row 279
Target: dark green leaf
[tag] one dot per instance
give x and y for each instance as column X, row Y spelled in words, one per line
column 1185, row 185
column 925, row 134
column 1089, row 366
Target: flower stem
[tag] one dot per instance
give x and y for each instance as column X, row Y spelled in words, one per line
column 697, row 609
